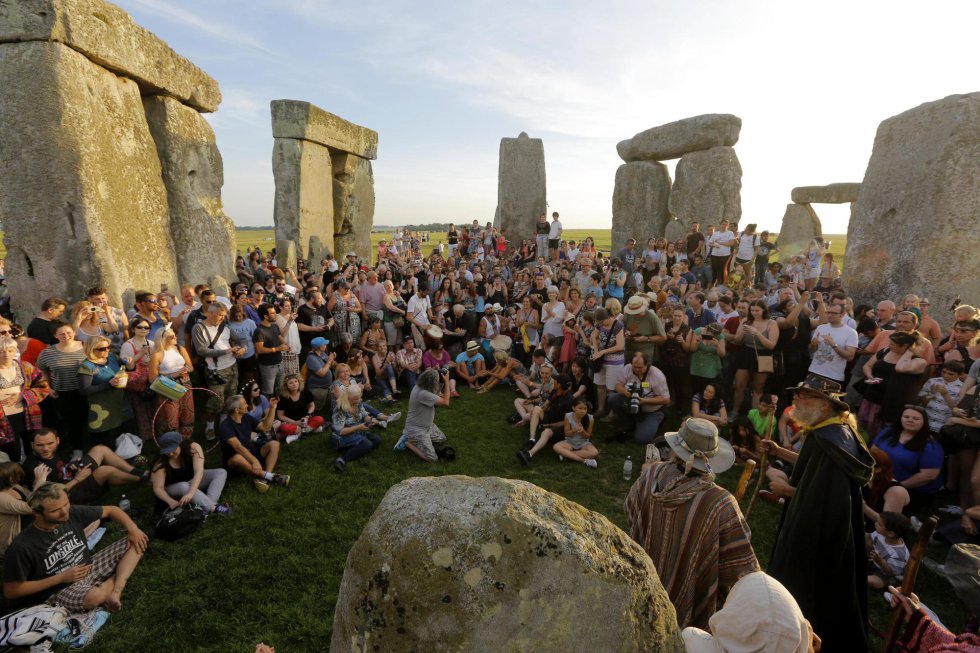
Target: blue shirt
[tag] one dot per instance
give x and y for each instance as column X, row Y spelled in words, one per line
column 906, row 463
column 707, row 317
column 470, row 362
column 241, row 334
column 313, row 365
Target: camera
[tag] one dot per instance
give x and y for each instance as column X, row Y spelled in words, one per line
column 634, row 390
column 213, row 378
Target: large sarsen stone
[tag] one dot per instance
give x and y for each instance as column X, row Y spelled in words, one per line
column 639, row 206
column 488, row 564
column 914, row 227
column 298, row 119
column 707, row 187
column 304, row 205
column 521, row 187
column 681, row 137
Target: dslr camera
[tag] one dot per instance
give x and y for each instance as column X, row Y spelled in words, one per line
column 634, row 391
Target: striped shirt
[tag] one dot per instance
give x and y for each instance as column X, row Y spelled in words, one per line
column 61, row 367
column 695, row 535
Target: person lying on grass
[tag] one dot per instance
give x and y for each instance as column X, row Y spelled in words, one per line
column 421, row 435
column 245, row 447
column 49, row 561
column 577, row 429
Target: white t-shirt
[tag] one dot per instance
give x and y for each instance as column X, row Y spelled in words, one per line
column 223, row 343
column 418, row 308
column 555, row 231
column 826, row 361
column 720, row 237
column 724, row 317
column 746, row 247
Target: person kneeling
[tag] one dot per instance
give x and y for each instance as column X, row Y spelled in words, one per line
column 86, row 477
column 179, row 476
column 421, row 435
column 49, row 562
column 640, row 397
column 577, row 444
column 352, row 436
column 244, row 446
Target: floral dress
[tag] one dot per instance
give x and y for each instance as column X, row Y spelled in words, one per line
column 346, row 317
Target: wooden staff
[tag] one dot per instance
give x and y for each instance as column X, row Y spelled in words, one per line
column 743, row 481
column 762, row 462
column 908, row 582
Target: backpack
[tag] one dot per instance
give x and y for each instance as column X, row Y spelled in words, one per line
column 180, row 522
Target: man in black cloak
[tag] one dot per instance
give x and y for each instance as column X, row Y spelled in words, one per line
column 819, row 553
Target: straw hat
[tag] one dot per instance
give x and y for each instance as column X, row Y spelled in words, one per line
column 698, row 445
column 636, row 306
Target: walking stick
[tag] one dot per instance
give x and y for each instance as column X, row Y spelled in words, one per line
column 908, row 581
column 743, row 481
column 762, row 463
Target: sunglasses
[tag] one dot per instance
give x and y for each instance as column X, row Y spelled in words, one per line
column 101, row 349
column 5, row 333
column 142, row 327
column 152, row 301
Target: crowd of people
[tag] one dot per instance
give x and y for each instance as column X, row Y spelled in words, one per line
column 864, row 412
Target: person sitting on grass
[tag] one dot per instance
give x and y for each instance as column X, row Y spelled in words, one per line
column 551, row 416
column 577, row 429
column 507, row 367
column 470, row 365
column 13, row 500
column 530, row 409
column 532, row 380
column 245, row 447
column 179, row 476
column 352, row 436
column 297, row 410
column 709, row 405
column 421, row 436
column 763, row 418
column 50, row 563
column 744, row 440
column 887, row 551
column 86, row 477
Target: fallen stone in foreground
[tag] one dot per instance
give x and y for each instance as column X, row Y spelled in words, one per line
column 490, row 564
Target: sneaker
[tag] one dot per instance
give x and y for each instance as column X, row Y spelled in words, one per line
column 561, row 459
column 952, row 509
column 591, row 463
column 916, row 524
column 770, row 496
column 608, row 419
column 530, row 445
column 340, row 464
column 292, row 438
column 222, row 509
column 281, row 479
column 524, row 457
column 260, row 485
column 393, row 418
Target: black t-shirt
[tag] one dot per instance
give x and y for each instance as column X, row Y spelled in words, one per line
column 40, row 329
column 542, row 228
column 298, row 409
column 693, row 240
column 453, row 237
column 310, row 316
column 37, row 554
column 557, row 408
column 59, row 472
column 541, row 294
column 270, row 337
column 229, row 430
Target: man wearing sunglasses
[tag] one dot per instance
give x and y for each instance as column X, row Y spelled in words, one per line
column 148, row 307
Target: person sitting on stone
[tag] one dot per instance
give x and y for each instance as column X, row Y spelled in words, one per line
column 245, row 449
column 421, row 436
column 692, row 529
column 87, row 476
column 50, row 563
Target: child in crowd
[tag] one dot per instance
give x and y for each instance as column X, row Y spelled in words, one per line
column 763, row 418
column 745, row 440
column 577, row 430
column 887, row 551
column 939, row 394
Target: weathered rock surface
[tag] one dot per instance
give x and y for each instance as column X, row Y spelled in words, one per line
column 286, row 255
column 193, row 174
column 314, row 253
column 296, row 119
column 521, row 187
column 674, row 231
column 707, row 187
column 220, row 286
column 829, row 194
column 82, row 200
column 353, row 205
column 488, row 564
column 914, row 225
column 108, row 36
column 800, row 225
column 639, row 205
column 682, row 137
column 304, row 205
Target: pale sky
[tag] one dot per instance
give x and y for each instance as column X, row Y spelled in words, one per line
column 442, row 82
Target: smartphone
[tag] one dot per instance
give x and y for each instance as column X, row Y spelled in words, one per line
column 163, row 287
column 652, row 454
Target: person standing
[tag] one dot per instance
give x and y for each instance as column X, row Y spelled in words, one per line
column 554, row 237
column 627, row 257
column 269, row 348
column 834, row 344
column 541, row 232
column 720, row 248
column 695, row 242
column 819, row 553
column 40, row 328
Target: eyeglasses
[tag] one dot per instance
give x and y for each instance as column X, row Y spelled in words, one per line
column 101, row 349
column 5, row 333
column 142, row 327
column 151, row 301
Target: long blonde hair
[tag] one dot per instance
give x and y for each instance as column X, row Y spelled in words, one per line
column 350, row 397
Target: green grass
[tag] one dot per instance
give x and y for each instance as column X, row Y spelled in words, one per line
column 272, row 571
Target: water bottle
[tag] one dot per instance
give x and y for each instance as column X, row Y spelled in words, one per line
column 628, row 469
column 124, row 504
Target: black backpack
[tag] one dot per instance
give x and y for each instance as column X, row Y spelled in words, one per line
column 180, row 522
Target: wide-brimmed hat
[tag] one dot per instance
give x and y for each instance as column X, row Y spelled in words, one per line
column 829, row 389
column 472, row 345
column 169, row 442
column 636, row 306
column 962, row 568
column 698, row 445
column 759, row 615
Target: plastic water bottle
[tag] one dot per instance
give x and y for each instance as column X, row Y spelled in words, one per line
column 124, row 504
column 628, row 469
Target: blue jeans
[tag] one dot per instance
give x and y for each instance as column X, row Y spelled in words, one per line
column 362, row 446
column 645, row 425
column 408, row 377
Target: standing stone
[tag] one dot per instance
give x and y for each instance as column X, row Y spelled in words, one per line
column 639, row 206
column 914, row 225
column 304, row 205
column 829, row 194
column 193, row 174
column 682, row 137
column 286, row 255
column 674, row 231
column 82, row 199
column 800, row 225
column 314, row 254
column 707, row 187
column 489, row 564
column 521, row 187
column 308, row 122
column 220, row 286
column 353, row 205
column 107, row 36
